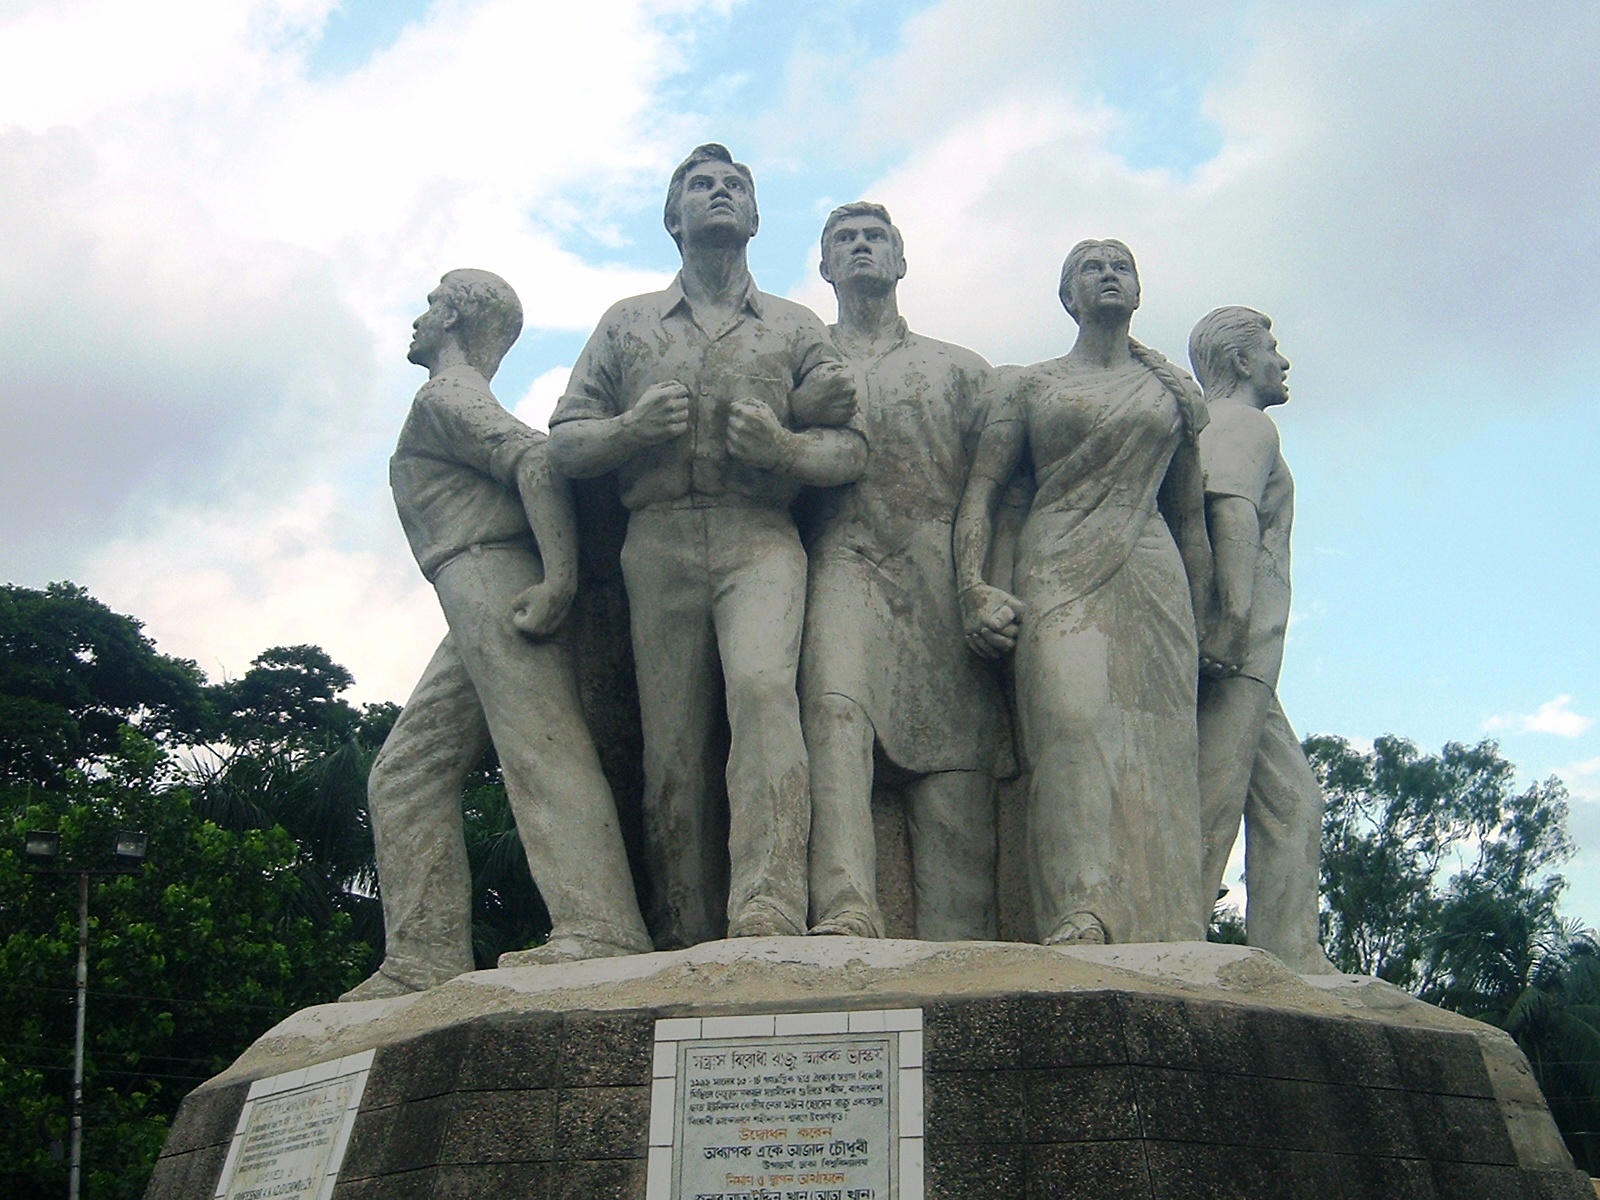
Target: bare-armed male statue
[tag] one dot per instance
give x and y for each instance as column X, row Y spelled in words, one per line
column 690, row 396
column 493, row 531
column 1250, row 760
column 885, row 662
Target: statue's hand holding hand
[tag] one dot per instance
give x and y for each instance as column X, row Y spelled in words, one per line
column 661, row 414
column 756, row 436
column 992, row 618
column 1222, row 649
column 827, row 396
column 538, row 611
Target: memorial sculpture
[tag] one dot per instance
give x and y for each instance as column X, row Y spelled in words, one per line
column 713, row 404
column 493, row 531
column 1251, row 763
column 884, row 663
column 821, row 1068
column 1112, row 566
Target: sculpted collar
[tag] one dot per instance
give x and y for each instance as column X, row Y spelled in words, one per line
column 892, row 337
column 673, row 297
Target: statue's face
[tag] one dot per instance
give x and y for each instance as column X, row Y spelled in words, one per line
column 429, row 329
column 1265, row 370
column 861, row 252
column 1105, row 281
column 717, row 202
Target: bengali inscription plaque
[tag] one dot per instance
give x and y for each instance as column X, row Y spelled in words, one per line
column 292, row 1132
column 801, row 1106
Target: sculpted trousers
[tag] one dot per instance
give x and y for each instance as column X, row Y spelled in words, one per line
column 950, row 817
column 720, row 591
column 486, row 681
column 1251, row 764
column 414, row 797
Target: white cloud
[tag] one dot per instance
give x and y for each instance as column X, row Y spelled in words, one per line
column 1553, row 716
column 209, row 261
column 539, row 401
column 222, row 587
column 1582, row 779
column 1370, row 167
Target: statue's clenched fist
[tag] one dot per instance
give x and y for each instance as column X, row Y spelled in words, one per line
column 756, row 436
column 661, row 414
column 827, row 396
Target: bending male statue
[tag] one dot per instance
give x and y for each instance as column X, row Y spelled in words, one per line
column 1250, row 759
column 696, row 398
column 494, row 533
column 885, row 661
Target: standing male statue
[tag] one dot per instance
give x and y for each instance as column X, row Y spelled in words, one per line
column 1250, row 760
column 885, row 662
column 696, row 397
column 493, row 531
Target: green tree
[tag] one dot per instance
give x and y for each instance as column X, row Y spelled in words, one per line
column 232, row 924
column 1440, row 876
column 287, row 701
column 1408, row 835
column 507, row 911
column 74, row 675
column 190, row 959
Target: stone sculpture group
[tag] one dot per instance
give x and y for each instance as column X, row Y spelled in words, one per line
column 823, row 545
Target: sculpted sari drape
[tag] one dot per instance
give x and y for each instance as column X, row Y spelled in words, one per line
column 1106, row 662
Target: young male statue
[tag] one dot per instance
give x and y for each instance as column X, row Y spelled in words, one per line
column 885, row 661
column 1250, row 759
column 696, row 398
column 493, row 531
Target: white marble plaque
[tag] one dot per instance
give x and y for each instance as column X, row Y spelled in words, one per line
column 292, row 1133
column 801, row 1106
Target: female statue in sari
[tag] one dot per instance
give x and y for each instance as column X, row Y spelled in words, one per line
column 1112, row 566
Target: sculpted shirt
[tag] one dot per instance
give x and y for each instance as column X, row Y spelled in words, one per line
column 1239, row 454
column 769, row 347
column 883, row 624
column 454, row 473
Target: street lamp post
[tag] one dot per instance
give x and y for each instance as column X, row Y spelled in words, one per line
column 40, row 850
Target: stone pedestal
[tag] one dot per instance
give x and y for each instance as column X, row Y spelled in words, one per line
column 1168, row 1071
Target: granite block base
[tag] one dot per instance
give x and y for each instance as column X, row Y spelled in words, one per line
column 1148, row 1072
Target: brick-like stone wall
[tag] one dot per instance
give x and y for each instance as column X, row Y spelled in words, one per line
column 515, row 1106
column 1121, row 1096
column 1099, row 1095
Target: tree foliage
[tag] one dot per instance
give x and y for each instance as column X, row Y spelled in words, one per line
column 252, row 903
column 288, row 702
column 1413, row 841
column 190, row 959
column 1439, row 876
column 74, row 675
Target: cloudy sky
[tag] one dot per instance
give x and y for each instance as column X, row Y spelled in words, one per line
column 218, row 217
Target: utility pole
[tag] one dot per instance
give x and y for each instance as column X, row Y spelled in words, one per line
column 76, row 1170
column 39, row 851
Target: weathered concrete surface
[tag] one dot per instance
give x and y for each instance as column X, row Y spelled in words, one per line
column 1164, row 1069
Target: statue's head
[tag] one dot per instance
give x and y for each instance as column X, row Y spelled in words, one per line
column 1099, row 275
column 861, row 247
column 710, row 193
column 1235, row 346
column 478, row 309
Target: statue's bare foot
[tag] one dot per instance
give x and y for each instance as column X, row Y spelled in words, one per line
column 1080, row 929
column 849, row 922
column 378, row 986
column 760, row 919
column 563, row 948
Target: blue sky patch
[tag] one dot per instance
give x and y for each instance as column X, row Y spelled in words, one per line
column 358, row 29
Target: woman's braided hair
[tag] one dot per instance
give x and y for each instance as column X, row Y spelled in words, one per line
column 1191, row 404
